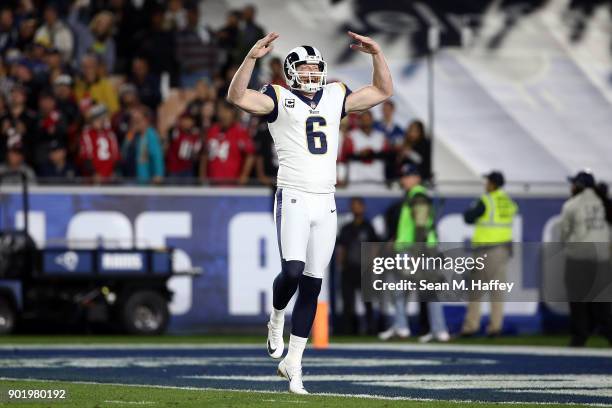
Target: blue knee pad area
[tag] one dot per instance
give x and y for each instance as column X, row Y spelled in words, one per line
column 286, row 283
column 305, row 305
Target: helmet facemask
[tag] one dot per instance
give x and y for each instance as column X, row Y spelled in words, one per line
column 315, row 80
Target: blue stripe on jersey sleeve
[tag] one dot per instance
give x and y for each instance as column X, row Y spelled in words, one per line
column 271, row 92
column 347, row 92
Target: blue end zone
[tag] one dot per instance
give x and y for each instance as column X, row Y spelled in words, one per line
column 494, row 374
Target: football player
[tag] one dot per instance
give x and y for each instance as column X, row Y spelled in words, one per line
column 304, row 121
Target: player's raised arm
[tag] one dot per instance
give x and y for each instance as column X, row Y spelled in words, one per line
column 382, row 84
column 247, row 99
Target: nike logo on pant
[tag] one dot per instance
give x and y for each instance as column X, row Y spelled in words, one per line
column 334, row 210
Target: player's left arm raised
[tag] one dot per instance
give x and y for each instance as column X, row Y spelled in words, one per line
column 382, row 84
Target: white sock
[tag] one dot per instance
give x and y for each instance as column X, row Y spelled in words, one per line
column 296, row 349
column 277, row 316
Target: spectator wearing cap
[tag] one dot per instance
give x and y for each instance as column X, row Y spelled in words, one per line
column 230, row 152
column 141, row 152
column 184, row 148
column 15, row 161
column 8, row 30
column 364, row 150
column 146, row 83
column 120, row 121
column 93, row 86
column 98, row 147
column 66, row 104
column 57, row 169
column 586, row 238
column 410, row 226
column 196, row 53
column 416, row 149
column 492, row 216
column 54, row 33
column 95, row 38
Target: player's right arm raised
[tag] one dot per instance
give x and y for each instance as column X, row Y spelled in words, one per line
column 247, row 99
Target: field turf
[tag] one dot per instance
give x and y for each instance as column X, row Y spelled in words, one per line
column 102, row 395
column 234, row 371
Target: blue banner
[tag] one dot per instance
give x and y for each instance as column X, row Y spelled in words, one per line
column 232, row 238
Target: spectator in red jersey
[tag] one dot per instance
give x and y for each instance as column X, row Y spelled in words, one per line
column 230, row 150
column 184, row 146
column 99, row 151
column 364, row 150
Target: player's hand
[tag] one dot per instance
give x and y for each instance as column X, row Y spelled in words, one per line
column 263, row 46
column 364, row 44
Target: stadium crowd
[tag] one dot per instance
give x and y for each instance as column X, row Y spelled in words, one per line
column 82, row 95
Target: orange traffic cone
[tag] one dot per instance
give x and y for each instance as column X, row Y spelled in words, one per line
column 320, row 328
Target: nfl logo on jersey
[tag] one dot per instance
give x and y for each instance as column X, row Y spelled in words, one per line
column 289, row 103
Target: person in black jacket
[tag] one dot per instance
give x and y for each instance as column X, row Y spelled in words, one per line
column 349, row 259
column 603, row 192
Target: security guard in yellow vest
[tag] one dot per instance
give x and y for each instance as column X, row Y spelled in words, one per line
column 492, row 215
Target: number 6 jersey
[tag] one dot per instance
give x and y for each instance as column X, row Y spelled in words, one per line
column 306, row 133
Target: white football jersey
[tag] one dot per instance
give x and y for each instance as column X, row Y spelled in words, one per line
column 306, row 133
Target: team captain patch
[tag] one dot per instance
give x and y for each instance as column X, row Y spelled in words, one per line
column 289, row 103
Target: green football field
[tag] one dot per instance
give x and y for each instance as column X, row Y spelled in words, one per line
column 98, row 395
column 87, row 391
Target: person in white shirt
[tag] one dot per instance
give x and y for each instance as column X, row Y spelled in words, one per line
column 364, row 152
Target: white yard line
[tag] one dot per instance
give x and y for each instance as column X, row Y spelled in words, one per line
column 285, row 401
column 476, row 348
